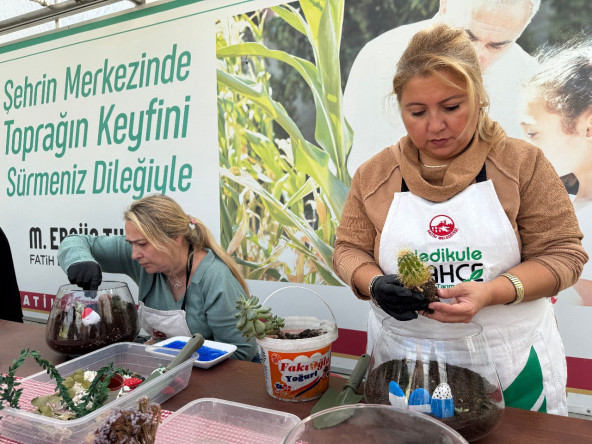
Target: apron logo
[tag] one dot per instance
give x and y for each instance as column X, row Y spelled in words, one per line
column 156, row 334
column 442, row 227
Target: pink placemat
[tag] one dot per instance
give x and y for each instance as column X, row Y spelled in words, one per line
column 33, row 389
column 184, row 428
column 193, row 429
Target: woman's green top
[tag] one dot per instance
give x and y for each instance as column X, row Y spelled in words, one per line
column 211, row 294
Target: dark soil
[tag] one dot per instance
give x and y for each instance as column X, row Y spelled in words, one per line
column 476, row 401
column 67, row 334
column 431, row 291
column 304, row 334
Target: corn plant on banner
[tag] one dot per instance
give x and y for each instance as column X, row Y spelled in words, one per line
column 254, row 115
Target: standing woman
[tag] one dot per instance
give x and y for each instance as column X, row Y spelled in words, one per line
column 557, row 117
column 187, row 283
column 506, row 210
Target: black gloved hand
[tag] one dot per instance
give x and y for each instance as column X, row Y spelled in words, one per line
column 86, row 275
column 398, row 301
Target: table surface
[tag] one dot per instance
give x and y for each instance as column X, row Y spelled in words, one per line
column 243, row 382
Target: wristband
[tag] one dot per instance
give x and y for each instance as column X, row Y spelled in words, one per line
column 517, row 286
column 372, row 281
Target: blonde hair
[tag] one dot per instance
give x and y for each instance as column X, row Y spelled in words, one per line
column 161, row 220
column 443, row 48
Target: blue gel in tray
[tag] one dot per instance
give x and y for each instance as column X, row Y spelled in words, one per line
column 205, row 353
column 177, row 345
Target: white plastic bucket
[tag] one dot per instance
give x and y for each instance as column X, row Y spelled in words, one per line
column 298, row 369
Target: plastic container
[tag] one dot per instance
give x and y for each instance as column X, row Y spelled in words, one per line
column 203, row 360
column 442, row 370
column 27, row 427
column 298, row 369
column 211, row 420
column 365, row 423
column 82, row 321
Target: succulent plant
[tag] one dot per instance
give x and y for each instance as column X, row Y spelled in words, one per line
column 254, row 320
column 413, row 272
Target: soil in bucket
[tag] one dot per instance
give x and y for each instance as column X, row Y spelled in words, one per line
column 297, row 369
column 477, row 410
column 306, row 333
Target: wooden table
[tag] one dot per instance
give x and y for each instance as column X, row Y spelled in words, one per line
column 243, row 382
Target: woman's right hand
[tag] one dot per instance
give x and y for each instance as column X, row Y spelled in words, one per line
column 87, row 275
column 465, row 301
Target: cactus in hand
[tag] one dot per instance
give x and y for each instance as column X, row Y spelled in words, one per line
column 255, row 321
column 416, row 275
column 412, row 271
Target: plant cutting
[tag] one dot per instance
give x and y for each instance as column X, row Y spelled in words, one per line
column 60, row 404
column 19, row 423
column 133, row 426
column 255, row 321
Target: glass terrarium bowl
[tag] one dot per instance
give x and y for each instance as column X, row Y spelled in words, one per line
column 82, row 321
column 370, row 423
column 444, row 370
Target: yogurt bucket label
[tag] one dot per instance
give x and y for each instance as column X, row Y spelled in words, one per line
column 298, row 376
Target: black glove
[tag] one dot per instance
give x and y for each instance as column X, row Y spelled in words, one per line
column 398, row 301
column 86, row 275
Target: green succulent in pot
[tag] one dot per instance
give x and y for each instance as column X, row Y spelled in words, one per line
column 256, row 321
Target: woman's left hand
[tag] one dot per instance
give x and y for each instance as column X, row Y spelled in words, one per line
column 467, row 298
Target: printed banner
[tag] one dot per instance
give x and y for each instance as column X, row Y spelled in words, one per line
column 255, row 115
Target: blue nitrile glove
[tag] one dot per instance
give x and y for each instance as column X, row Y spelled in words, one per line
column 398, row 301
column 86, row 275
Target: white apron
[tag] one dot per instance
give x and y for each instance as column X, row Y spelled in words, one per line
column 161, row 324
column 469, row 237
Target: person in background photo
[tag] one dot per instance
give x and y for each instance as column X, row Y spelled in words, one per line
column 493, row 27
column 502, row 202
column 187, row 283
column 11, row 310
column 557, row 117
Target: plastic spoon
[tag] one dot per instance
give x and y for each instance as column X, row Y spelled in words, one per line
column 194, row 342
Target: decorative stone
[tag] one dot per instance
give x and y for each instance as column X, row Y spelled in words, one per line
column 90, row 317
column 442, row 402
column 420, row 401
column 396, row 396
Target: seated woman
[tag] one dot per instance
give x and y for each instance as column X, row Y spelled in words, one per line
column 187, row 283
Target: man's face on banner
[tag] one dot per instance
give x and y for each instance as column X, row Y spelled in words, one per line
column 492, row 29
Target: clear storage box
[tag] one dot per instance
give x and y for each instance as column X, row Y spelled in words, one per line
column 27, row 427
column 211, row 420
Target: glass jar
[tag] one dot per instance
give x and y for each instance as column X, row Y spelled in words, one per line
column 444, row 370
column 82, row 321
column 370, row 423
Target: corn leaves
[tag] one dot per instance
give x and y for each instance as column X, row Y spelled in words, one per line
column 281, row 199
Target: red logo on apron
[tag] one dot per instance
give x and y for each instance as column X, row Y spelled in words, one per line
column 442, row 227
column 158, row 334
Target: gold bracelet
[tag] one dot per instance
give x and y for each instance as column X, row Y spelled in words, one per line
column 517, row 286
